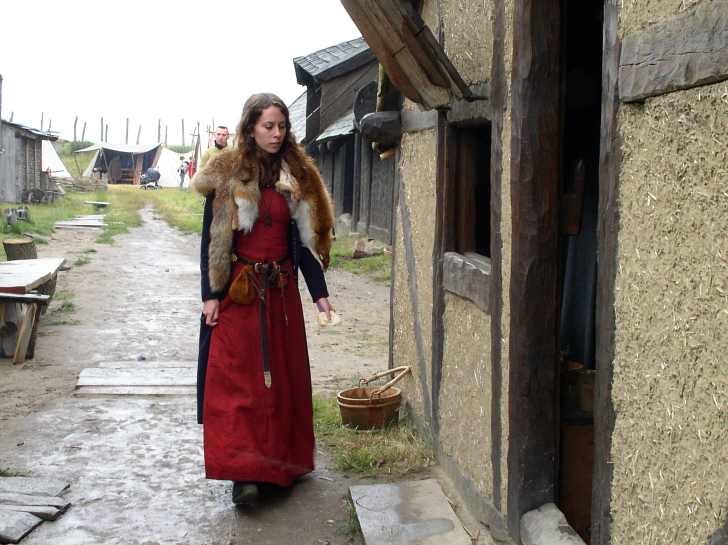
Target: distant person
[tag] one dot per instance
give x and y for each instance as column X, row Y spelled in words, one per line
column 221, row 139
column 182, row 170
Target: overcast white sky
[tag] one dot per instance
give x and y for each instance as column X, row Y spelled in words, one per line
column 150, row 59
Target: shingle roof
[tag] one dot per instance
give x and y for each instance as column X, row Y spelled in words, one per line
column 332, row 61
column 297, row 115
column 43, row 135
column 341, row 127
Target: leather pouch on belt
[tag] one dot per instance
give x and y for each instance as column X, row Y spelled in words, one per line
column 242, row 290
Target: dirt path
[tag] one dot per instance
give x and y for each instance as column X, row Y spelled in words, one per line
column 135, row 463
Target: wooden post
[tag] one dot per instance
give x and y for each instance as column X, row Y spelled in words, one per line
column 106, row 133
column 166, row 131
column 41, row 120
column 159, row 130
column 139, row 132
column 101, row 137
column 126, row 138
column 20, row 248
column 75, row 124
column 183, row 132
column 83, row 132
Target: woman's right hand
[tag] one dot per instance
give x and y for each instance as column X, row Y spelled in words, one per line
column 210, row 309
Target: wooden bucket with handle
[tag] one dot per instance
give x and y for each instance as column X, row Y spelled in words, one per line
column 366, row 408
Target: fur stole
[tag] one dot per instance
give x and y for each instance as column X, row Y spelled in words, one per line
column 235, row 206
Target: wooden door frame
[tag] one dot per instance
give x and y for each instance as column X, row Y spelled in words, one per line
column 533, row 434
column 535, row 172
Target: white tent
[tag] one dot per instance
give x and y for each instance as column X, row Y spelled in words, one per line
column 51, row 160
column 167, row 165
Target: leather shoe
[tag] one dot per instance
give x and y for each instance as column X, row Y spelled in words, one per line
column 244, row 493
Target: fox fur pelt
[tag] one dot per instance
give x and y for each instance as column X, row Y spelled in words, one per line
column 235, row 205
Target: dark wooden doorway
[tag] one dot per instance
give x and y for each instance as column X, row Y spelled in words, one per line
column 556, row 78
column 581, row 87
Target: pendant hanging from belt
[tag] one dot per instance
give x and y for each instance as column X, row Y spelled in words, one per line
column 268, row 275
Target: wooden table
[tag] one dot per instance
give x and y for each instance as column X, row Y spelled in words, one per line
column 18, row 279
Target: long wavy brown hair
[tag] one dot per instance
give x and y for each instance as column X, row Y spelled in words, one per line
column 251, row 160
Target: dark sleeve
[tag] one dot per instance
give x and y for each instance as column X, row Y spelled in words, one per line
column 207, row 293
column 313, row 274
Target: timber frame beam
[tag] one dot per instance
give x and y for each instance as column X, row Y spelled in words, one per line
column 535, row 153
column 681, row 53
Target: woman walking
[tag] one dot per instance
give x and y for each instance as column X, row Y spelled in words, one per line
column 267, row 215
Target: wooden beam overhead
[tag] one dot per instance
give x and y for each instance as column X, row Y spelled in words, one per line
column 409, row 52
column 681, row 53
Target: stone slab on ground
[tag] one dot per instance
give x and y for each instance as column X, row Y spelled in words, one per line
column 407, row 513
column 163, row 376
column 547, row 525
column 15, row 525
column 34, row 486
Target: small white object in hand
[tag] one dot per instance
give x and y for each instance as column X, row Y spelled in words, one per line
column 324, row 321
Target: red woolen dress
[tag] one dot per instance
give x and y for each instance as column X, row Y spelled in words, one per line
column 251, row 432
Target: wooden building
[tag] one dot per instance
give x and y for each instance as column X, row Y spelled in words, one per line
column 560, row 279
column 361, row 184
column 21, row 172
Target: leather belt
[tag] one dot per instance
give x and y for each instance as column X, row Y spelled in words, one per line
column 268, row 274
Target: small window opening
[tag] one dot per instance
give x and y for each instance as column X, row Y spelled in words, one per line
column 470, row 210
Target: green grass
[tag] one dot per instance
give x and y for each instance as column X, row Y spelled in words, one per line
column 82, row 260
column 180, row 209
column 377, row 267
column 122, row 212
column 44, row 216
column 8, row 472
column 393, row 452
column 65, row 307
column 350, row 528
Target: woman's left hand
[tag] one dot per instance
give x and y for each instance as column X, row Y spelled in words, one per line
column 323, row 305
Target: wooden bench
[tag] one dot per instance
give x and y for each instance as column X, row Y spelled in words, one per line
column 18, row 279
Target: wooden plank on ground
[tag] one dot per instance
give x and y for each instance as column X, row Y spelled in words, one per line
column 82, row 224
column 36, row 486
column 145, row 364
column 14, row 526
column 14, row 498
column 45, row 512
column 176, row 376
column 135, row 391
